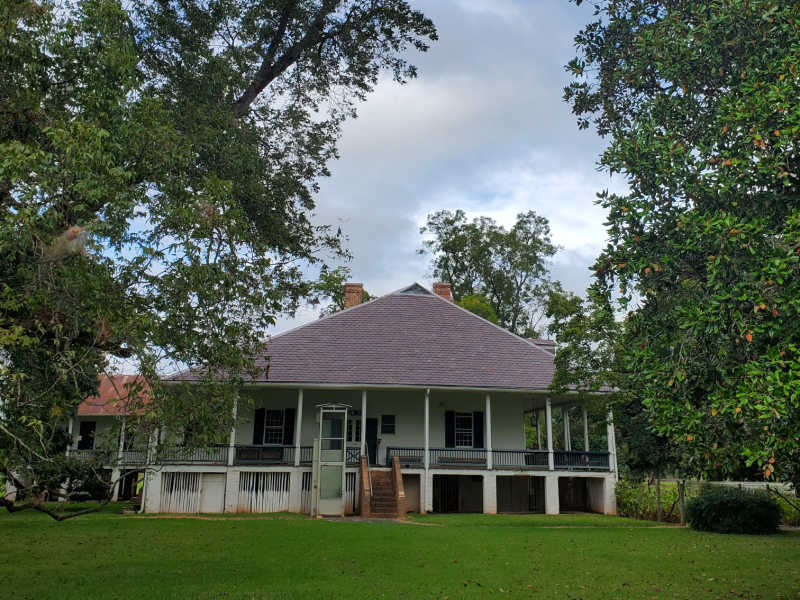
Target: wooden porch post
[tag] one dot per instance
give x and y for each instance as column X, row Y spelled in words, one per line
column 548, row 410
column 585, row 430
column 298, row 427
column 567, row 439
column 426, row 459
column 232, row 443
column 364, row 423
column 489, row 461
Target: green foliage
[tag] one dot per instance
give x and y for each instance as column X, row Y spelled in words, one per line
column 330, row 286
column 507, row 266
column 724, row 509
column 480, row 305
column 158, row 165
column 638, row 500
column 698, row 101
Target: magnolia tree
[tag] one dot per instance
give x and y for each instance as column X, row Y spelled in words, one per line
column 698, row 102
column 158, row 164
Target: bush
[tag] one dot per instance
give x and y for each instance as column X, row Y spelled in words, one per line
column 733, row 510
column 637, row 500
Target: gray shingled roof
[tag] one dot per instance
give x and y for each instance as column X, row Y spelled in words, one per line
column 410, row 337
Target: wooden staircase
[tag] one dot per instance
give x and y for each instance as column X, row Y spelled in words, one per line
column 382, row 493
column 383, row 504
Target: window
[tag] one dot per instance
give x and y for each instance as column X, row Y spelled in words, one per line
column 463, row 430
column 388, row 424
column 354, row 430
column 273, row 427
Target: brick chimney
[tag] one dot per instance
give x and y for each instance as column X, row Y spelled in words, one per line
column 444, row 290
column 353, row 292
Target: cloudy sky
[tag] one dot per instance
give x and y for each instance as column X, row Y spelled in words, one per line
column 483, row 128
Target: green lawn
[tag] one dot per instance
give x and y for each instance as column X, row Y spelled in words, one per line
column 454, row 556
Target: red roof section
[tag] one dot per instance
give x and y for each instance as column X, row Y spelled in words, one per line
column 114, row 394
column 411, row 337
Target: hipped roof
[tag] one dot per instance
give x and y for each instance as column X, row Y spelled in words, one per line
column 411, row 337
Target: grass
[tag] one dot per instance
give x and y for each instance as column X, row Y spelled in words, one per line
column 109, row 555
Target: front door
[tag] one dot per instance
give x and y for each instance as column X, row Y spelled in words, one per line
column 372, row 440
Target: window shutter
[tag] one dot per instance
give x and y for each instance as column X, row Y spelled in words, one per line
column 449, row 429
column 477, row 430
column 288, row 426
column 258, row 427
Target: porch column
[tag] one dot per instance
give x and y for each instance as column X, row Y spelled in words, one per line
column 489, row 461
column 69, row 431
column 490, row 494
column 567, row 437
column 364, row 424
column 116, row 473
column 551, row 506
column 585, row 430
column 426, row 458
column 548, row 411
column 612, row 443
column 232, row 442
column 298, row 427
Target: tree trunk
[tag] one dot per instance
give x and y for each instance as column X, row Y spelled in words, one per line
column 682, row 500
column 658, row 499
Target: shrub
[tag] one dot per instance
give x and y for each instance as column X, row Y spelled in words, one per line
column 733, row 510
column 638, row 500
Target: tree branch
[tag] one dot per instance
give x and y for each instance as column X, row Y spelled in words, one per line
column 270, row 70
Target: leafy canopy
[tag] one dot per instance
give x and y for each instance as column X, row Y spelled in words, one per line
column 506, row 266
column 158, row 164
column 698, row 101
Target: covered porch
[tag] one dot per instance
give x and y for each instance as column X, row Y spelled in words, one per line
column 424, row 428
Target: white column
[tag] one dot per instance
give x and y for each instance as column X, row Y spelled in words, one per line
column 364, row 423
column 612, row 443
column 490, row 494
column 551, row 506
column 489, row 461
column 567, row 436
column 71, row 437
column 232, row 491
column 232, row 442
column 298, row 429
column 426, row 459
column 585, row 430
column 548, row 411
column 117, row 471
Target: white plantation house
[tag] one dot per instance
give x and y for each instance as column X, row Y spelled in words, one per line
column 403, row 403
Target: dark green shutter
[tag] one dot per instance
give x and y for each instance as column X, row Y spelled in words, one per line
column 258, row 427
column 449, row 429
column 288, row 426
column 477, row 430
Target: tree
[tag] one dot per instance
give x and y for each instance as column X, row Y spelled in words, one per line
column 480, row 305
column 698, row 102
column 158, row 164
column 331, row 287
column 507, row 266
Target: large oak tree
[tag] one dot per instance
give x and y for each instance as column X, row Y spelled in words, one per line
column 158, row 165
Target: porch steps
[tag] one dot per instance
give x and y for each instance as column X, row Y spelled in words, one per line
column 383, row 503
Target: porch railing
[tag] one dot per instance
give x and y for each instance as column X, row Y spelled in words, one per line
column 109, row 457
column 458, row 457
column 523, row 459
column 353, row 455
column 596, row 461
column 209, row 455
